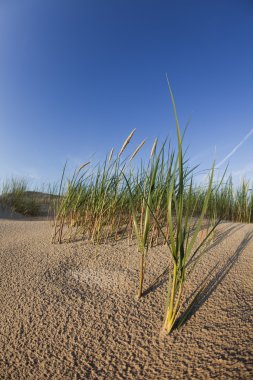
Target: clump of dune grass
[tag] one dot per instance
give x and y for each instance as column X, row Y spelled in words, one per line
column 148, row 200
column 243, row 205
column 16, row 197
column 93, row 203
column 183, row 228
column 96, row 204
column 182, row 242
column 229, row 202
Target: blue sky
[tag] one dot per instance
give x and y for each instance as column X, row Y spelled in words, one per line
column 77, row 76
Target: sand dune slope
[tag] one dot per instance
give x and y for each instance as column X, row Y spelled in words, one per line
column 68, row 311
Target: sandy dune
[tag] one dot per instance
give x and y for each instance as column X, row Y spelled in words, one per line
column 68, row 311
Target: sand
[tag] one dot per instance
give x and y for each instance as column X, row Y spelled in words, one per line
column 69, row 311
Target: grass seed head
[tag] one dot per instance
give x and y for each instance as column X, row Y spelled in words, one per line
column 137, row 149
column 126, row 142
column 83, row 165
column 153, row 148
column 110, row 155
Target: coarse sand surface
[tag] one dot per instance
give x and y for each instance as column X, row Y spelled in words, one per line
column 69, row 311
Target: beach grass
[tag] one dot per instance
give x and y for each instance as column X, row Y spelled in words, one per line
column 19, row 197
column 159, row 202
column 15, row 196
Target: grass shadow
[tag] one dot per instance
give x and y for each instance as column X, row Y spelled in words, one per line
column 203, row 292
column 223, row 235
column 163, row 277
column 159, row 281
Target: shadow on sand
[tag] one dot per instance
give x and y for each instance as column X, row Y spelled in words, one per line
column 205, row 290
column 163, row 277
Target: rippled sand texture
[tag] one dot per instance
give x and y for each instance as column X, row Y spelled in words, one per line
column 68, row 311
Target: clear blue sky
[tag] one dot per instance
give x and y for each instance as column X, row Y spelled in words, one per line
column 76, row 76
